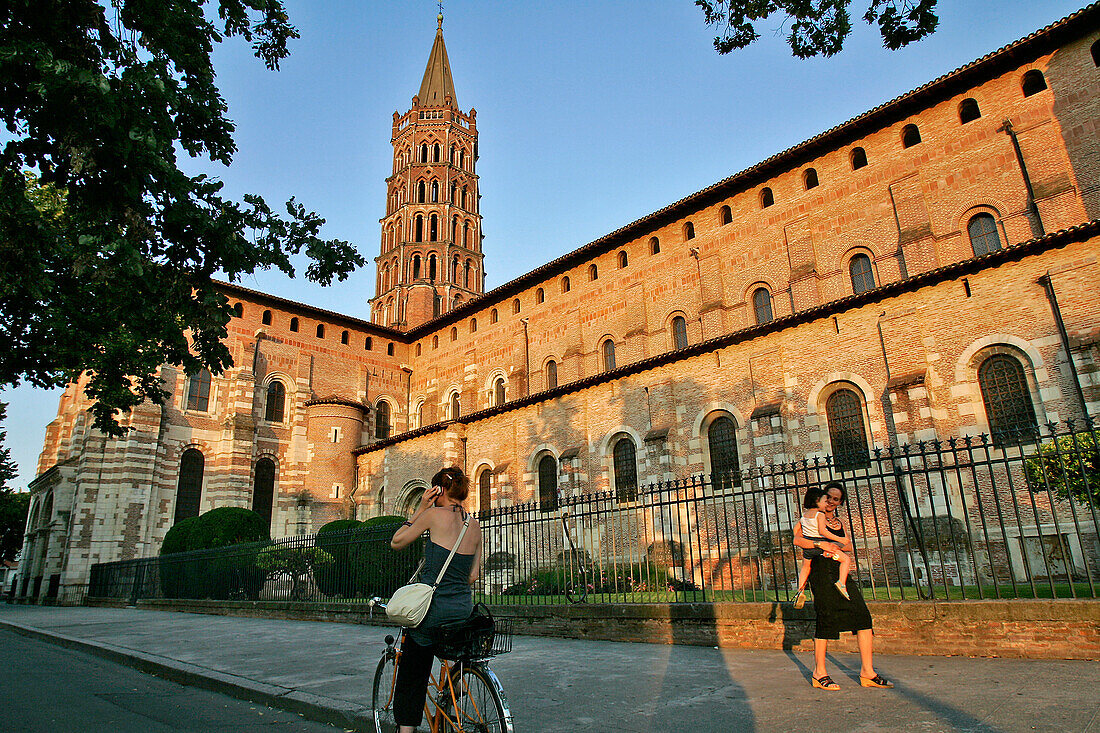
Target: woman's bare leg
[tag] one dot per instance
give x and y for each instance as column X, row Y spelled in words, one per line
column 865, row 641
column 820, row 647
column 406, row 729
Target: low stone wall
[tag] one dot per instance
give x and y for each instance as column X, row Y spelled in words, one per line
column 1039, row 629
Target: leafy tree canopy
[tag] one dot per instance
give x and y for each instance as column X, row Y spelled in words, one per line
column 818, row 27
column 108, row 247
column 13, row 505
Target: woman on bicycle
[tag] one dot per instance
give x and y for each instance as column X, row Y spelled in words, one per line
column 440, row 514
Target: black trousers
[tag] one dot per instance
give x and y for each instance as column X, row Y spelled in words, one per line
column 411, row 687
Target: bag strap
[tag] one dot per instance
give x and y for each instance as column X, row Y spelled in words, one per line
column 465, row 526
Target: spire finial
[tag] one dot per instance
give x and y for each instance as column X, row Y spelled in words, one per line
column 439, row 17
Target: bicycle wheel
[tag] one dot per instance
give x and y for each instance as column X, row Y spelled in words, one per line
column 576, row 585
column 382, row 694
column 479, row 702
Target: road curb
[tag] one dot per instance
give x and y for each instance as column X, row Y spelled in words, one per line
column 314, row 707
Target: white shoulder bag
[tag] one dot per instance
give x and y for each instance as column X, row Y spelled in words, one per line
column 409, row 604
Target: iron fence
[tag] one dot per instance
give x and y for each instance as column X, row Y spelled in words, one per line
column 1015, row 517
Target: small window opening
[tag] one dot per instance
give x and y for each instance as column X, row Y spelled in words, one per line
column 858, row 158
column 968, row 111
column 689, row 230
column 766, row 198
column 654, row 245
column 910, row 136
column 809, row 178
column 725, row 215
column 1033, row 82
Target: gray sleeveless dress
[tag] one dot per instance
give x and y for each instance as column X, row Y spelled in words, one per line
column 453, row 597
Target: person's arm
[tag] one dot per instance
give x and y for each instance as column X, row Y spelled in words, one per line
column 805, row 544
column 475, row 570
column 420, row 522
column 842, row 543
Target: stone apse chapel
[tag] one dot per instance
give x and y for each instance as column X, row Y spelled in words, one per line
column 881, row 283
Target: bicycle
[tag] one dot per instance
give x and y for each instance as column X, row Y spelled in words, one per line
column 464, row 694
column 574, row 570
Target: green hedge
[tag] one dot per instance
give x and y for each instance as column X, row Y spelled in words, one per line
column 219, row 576
column 363, row 564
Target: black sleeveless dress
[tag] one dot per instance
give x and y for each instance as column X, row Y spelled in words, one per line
column 453, row 598
column 835, row 613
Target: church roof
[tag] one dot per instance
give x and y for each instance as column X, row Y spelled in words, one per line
column 437, row 83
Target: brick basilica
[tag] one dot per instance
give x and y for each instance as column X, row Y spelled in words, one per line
column 896, row 278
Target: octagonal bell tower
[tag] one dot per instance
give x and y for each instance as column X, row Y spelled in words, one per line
column 431, row 259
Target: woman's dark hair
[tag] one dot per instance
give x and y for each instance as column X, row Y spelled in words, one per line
column 839, row 487
column 814, row 494
column 453, row 482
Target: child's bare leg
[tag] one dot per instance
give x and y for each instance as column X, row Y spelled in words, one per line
column 845, row 566
column 803, row 575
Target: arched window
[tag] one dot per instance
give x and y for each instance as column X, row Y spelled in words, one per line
column 435, row 192
column 416, row 267
column 275, row 409
column 1096, row 53
column 389, row 349
column 622, row 259
column 485, row 490
column 266, row 318
column 463, row 204
column 454, row 230
column 473, row 325
column 722, row 442
column 469, row 271
column 982, row 230
column 433, row 228
column 608, row 349
column 189, row 486
column 679, row 332
column 382, row 420
column 689, row 230
column 419, row 349
column 435, row 341
column 419, row 227
column 423, row 152
column 725, row 215
column 540, row 295
column 344, row 337
column 548, row 483
column 498, row 391
column 435, row 153
column 1033, row 82
column 551, row 374
column 432, row 267
column 198, row 391
column 654, row 245
column 238, row 310
column 454, row 333
column 320, row 330
column 809, row 178
column 420, row 192
column 767, row 198
column 493, row 316
column 294, row 324
column 858, row 158
column 263, row 490
column 844, row 413
column 515, row 305
column 456, row 406
column 910, row 136
column 762, row 305
column 565, row 284
column 863, row 279
column 625, row 469
column 1007, row 400
column 368, row 344
column 968, row 111
column 593, row 272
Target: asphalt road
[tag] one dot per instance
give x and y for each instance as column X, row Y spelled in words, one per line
column 49, row 689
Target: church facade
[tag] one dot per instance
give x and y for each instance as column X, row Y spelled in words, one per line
column 897, row 278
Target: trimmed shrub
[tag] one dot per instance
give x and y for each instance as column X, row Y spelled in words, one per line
column 364, row 565
column 202, row 573
column 338, row 577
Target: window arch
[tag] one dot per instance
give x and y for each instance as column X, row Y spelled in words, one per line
column 389, row 349
column 494, row 316
column 368, row 344
column 767, row 198
column 858, row 158
column 433, row 267
column 320, row 330
column 809, row 178
column 689, row 230
column 423, row 152
column 189, row 485
column 263, row 488
column 485, row 489
column 266, row 318
column 238, row 310
column 722, row 443
column 593, row 272
column 499, row 396
column 725, row 215
column 473, row 325
column 382, row 420
column 540, row 295
column 455, row 406
column 420, row 194
column 548, row 483
column 419, row 227
column 198, row 391
column 968, row 110
column 910, row 136
column 435, row 192
column 654, row 246
column 294, row 324
column 515, row 305
column 762, row 305
column 551, row 374
column 1007, row 399
column 625, row 469
column 982, row 230
column 1033, row 82
column 1096, row 53
column 416, row 267
column 454, row 333
column 419, row 349
column 433, row 228
column 565, row 284
column 435, row 341
column 622, row 259
column 275, row 408
column 607, row 350
column 863, row 277
column 345, row 337
column 847, row 433
column 679, row 332
column 435, row 153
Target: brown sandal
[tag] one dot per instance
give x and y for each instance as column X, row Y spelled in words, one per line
column 876, row 681
column 826, row 683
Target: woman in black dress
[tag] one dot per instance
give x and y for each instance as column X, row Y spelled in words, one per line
column 835, row 613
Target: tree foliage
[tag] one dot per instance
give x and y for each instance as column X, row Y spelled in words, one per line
column 1069, row 466
column 817, row 27
column 108, row 246
column 13, row 505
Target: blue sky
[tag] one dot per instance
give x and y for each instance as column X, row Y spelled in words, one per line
column 590, row 115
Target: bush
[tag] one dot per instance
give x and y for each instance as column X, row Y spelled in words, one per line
column 335, row 538
column 1070, row 465
column 227, row 526
column 628, row 578
column 299, row 564
column 218, row 575
column 364, row 564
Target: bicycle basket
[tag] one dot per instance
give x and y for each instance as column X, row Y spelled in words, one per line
column 479, row 637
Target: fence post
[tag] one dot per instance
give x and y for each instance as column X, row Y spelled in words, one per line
column 139, row 580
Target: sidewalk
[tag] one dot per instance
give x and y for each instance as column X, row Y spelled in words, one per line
column 324, row 671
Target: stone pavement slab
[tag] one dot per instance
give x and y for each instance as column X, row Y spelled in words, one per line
column 324, row 671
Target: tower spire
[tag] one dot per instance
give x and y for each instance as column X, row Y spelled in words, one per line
column 437, row 83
